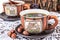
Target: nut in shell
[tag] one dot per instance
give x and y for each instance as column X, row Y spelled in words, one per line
column 19, row 30
column 25, row 33
column 9, row 34
column 13, row 36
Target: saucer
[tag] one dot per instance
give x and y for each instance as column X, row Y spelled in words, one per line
column 9, row 18
column 41, row 35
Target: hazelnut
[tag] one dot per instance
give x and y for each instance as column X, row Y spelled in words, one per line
column 25, row 33
column 13, row 36
column 19, row 30
column 9, row 34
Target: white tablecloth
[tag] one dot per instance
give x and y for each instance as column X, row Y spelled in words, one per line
column 5, row 26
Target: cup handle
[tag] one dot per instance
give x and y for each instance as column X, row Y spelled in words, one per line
column 55, row 24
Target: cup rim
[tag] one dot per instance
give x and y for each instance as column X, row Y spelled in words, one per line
column 20, row 2
column 34, row 11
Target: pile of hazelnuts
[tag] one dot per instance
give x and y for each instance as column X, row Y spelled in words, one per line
column 12, row 34
column 20, row 30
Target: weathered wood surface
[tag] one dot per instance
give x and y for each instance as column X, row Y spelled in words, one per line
column 50, row 5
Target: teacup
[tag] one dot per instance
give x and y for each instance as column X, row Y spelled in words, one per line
column 13, row 8
column 36, row 20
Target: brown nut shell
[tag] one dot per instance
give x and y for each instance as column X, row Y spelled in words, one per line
column 9, row 34
column 25, row 33
column 19, row 30
column 13, row 36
